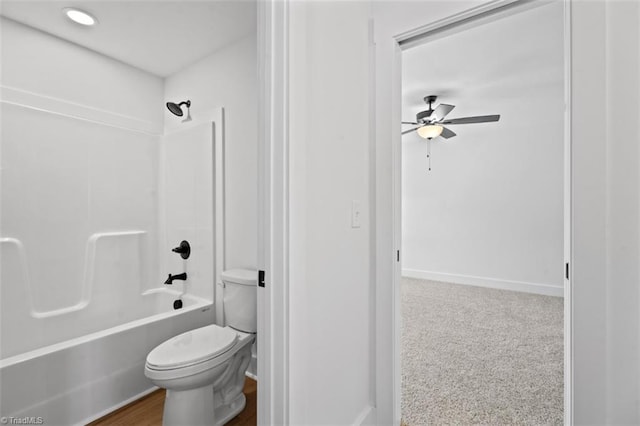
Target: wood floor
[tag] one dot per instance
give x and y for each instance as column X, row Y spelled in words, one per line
column 147, row 411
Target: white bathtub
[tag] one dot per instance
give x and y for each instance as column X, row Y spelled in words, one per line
column 81, row 379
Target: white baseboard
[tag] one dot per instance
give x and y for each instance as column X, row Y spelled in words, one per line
column 522, row 286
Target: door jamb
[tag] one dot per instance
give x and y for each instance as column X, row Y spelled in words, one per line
column 273, row 220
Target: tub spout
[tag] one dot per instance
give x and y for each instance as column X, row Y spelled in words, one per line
column 182, row 276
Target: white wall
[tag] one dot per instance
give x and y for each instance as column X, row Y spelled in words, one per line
column 606, row 198
column 79, row 157
column 490, row 211
column 228, row 79
column 329, row 322
column 623, row 212
column 45, row 65
column 46, row 72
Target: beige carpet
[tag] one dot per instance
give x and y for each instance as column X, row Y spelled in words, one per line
column 473, row 355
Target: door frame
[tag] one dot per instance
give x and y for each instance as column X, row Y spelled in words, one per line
column 273, row 219
column 388, row 70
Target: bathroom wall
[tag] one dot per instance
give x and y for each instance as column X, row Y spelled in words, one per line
column 48, row 66
column 98, row 161
column 79, row 159
column 228, row 79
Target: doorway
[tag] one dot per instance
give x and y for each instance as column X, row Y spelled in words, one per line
column 491, row 179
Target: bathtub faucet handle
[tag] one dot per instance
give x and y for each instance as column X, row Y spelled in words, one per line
column 182, row 276
column 184, row 249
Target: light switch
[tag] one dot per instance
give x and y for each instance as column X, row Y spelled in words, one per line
column 355, row 214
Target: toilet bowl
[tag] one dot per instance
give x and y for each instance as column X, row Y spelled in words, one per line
column 203, row 369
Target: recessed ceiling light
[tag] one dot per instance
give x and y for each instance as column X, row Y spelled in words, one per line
column 79, row 16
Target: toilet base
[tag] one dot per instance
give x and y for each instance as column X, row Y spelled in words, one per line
column 194, row 407
column 191, row 407
column 227, row 412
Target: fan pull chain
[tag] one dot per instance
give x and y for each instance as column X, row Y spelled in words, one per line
column 429, row 153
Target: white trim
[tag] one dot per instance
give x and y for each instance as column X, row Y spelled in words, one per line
column 463, row 20
column 396, row 191
column 220, row 134
column 372, row 221
column 219, row 196
column 273, row 203
column 568, row 230
column 386, row 383
column 476, row 281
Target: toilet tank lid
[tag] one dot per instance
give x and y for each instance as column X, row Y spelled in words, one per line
column 240, row 276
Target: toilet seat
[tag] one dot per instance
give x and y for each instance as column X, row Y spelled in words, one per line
column 203, row 345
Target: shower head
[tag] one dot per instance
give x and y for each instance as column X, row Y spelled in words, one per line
column 176, row 109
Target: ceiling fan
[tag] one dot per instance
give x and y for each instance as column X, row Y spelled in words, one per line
column 431, row 122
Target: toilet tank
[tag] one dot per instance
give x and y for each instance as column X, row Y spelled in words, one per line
column 240, row 299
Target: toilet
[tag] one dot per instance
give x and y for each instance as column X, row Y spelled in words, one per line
column 203, row 369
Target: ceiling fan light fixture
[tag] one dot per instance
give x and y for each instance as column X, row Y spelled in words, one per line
column 430, row 131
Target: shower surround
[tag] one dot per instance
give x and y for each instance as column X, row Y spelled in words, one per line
column 95, row 194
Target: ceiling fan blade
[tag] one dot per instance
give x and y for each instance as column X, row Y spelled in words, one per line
column 470, row 120
column 446, row 133
column 441, row 111
column 409, row 131
column 410, row 122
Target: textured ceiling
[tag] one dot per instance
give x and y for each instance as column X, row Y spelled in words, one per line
column 160, row 37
